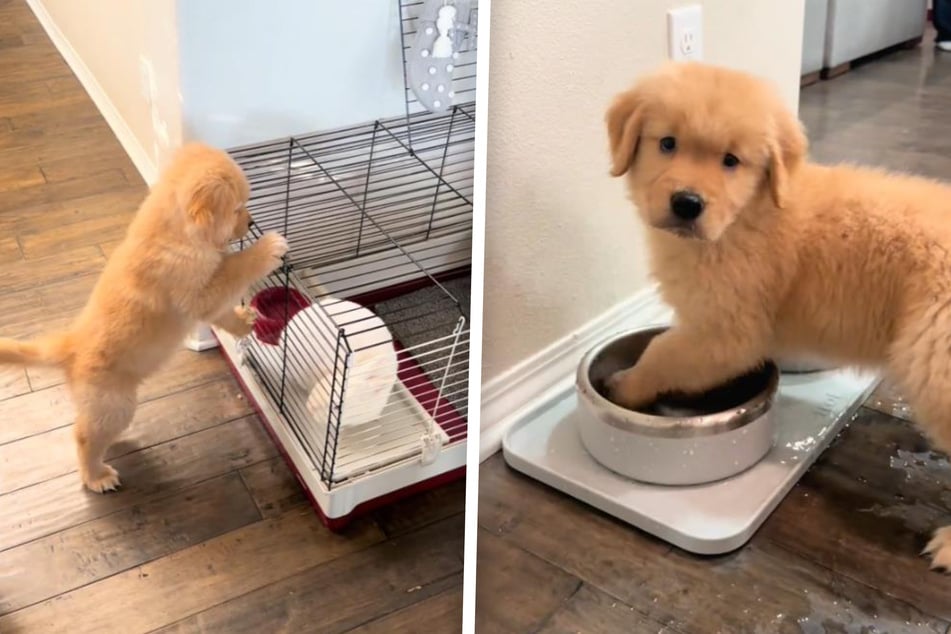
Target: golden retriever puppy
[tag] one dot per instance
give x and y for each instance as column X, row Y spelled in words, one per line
column 763, row 253
column 172, row 271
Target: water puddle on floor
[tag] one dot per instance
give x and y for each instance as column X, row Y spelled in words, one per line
column 888, row 400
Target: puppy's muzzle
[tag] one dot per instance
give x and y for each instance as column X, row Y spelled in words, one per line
column 686, row 205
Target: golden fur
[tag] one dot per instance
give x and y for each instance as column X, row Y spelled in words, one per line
column 171, row 272
column 788, row 257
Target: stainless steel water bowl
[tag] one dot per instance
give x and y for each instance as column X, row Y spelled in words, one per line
column 678, row 440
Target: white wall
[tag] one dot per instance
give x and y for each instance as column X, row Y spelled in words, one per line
column 562, row 242
column 253, row 71
column 228, row 72
column 105, row 44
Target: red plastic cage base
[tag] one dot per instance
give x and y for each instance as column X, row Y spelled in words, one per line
column 338, row 524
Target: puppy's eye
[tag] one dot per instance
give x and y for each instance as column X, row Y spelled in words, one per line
column 730, row 161
column 668, row 144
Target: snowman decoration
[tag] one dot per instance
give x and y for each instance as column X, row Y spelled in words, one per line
column 431, row 62
column 445, row 22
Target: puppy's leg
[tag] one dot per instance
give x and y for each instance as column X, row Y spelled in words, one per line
column 102, row 414
column 236, row 273
column 921, row 366
column 933, row 414
column 238, row 321
column 684, row 359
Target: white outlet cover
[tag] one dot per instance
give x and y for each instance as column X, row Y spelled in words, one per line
column 685, row 33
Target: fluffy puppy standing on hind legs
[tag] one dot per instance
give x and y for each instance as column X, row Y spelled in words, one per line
column 172, row 271
column 764, row 254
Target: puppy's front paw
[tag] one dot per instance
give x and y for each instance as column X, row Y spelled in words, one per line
column 939, row 549
column 627, row 390
column 244, row 325
column 271, row 248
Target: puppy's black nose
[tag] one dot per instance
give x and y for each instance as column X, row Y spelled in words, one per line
column 686, row 205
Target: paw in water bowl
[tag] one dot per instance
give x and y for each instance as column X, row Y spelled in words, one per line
column 625, row 351
column 727, row 396
column 678, row 439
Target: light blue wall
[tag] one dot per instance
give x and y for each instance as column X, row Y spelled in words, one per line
column 253, row 71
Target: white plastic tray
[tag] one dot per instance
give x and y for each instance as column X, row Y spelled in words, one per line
column 705, row 519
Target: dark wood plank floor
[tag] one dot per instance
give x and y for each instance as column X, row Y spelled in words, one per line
column 210, row 532
column 840, row 554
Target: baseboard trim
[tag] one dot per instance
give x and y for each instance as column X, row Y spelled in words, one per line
column 137, row 153
column 507, row 397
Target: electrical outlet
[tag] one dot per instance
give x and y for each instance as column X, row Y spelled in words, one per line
column 685, row 33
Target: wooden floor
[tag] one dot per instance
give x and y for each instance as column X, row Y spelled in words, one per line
column 210, row 532
column 840, row 554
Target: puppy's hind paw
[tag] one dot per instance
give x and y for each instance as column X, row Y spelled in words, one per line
column 107, row 479
column 939, row 550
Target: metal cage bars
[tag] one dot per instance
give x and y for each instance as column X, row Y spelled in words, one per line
column 413, row 194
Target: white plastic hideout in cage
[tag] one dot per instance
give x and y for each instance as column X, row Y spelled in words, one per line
column 810, row 410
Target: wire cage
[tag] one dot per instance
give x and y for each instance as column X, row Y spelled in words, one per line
column 372, row 365
column 361, row 348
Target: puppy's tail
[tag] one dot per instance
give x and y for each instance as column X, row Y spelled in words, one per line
column 51, row 350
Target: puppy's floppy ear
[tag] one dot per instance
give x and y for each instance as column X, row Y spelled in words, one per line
column 787, row 148
column 205, row 199
column 624, row 119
